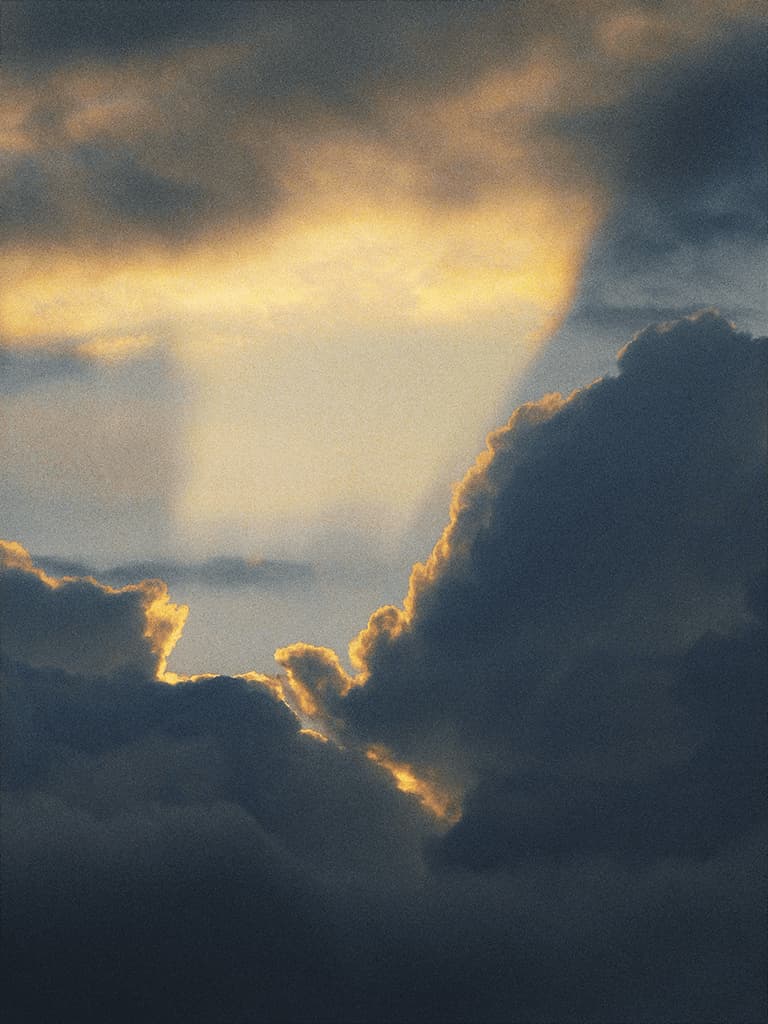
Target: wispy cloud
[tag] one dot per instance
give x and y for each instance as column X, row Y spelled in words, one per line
column 223, row 571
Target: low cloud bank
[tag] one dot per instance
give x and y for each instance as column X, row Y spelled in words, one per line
column 580, row 663
column 222, row 571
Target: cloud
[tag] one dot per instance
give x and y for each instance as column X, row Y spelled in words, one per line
column 21, row 370
column 625, row 521
column 81, row 626
column 541, row 796
column 224, row 131
column 222, row 571
column 236, row 853
column 315, row 208
column 342, row 201
column 45, row 32
column 110, row 138
column 583, row 654
column 37, row 366
column 285, row 248
column 128, row 799
column 684, row 156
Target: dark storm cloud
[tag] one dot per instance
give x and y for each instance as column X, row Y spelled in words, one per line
column 223, row 571
column 584, row 654
column 184, row 853
column 625, row 522
column 177, row 852
column 708, row 800
column 586, row 650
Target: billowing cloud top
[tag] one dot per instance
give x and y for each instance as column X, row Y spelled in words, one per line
column 625, row 518
column 541, row 797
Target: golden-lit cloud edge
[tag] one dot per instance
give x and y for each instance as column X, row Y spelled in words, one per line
column 162, row 623
column 162, row 620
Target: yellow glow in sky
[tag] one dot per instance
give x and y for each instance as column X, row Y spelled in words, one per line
column 337, row 349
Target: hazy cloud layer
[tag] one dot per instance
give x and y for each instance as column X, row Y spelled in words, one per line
column 155, row 127
column 581, row 661
column 657, row 98
column 224, row 571
column 339, row 202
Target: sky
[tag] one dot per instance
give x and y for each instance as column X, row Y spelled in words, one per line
column 383, row 573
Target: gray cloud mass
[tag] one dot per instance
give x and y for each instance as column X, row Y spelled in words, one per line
column 582, row 658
